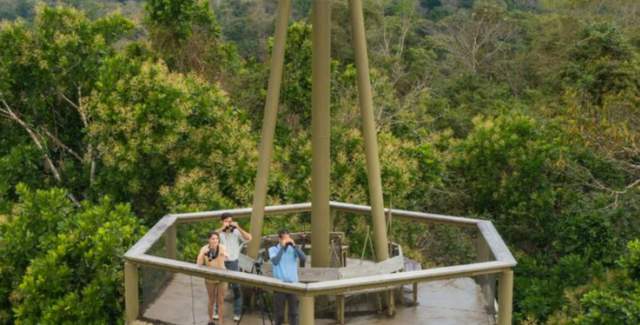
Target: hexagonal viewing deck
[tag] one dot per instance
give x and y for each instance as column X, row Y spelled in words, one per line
column 353, row 292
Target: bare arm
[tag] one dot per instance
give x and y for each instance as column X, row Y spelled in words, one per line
column 245, row 235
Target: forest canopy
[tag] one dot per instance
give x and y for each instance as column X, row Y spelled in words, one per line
column 523, row 112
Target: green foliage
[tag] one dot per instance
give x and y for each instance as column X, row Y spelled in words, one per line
column 508, row 165
column 542, row 283
column 46, row 67
column 463, row 98
column 631, row 262
column 248, row 24
column 62, row 265
column 296, row 80
column 17, row 165
column 59, row 54
column 178, row 17
column 528, row 178
column 118, row 114
column 522, row 112
column 187, row 36
column 602, row 61
column 605, row 307
column 26, row 9
column 158, row 131
column 614, row 299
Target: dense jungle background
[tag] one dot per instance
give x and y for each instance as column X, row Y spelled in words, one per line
column 524, row 112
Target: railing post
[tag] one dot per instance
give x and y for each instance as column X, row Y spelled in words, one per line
column 391, row 304
column 332, row 219
column 486, row 282
column 505, row 298
column 131, row 301
column 306, row 310
column 170, row 242
column 340, row 309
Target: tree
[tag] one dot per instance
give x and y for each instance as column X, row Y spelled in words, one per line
column 613, row 299
column 187, row 36
column 508, row 165
column 602, row 92
column 248, row 24
column 546, row 52
column 46, row 68
column 154, row 129
column 475, row 39
column 60, row 264
column 532, row 180
column 622, row 13
column 395, row 40
column 601, row 62
column 455, row 102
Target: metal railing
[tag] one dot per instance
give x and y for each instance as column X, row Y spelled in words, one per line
column 494, row 259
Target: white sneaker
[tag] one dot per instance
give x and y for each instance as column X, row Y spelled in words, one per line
column 236, row 318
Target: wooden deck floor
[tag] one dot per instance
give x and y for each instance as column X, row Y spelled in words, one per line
column 448, row 302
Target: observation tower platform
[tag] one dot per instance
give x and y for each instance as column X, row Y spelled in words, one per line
column 163, row 283
column 162, row 287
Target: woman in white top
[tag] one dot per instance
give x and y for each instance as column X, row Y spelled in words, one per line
column 213, row 255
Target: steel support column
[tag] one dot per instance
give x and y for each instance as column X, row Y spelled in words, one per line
column 320, row 132
column 369, row 131
column 269, row 126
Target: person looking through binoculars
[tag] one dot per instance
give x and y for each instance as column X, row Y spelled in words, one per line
column 284, row 258
column 232, row 236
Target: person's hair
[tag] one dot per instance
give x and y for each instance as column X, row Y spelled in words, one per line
column 282, row 232
column 225, row 216
column 211, row 233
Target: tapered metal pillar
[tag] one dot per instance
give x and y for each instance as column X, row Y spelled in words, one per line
column 369, row 131
column 320, row 132
column 269, row 126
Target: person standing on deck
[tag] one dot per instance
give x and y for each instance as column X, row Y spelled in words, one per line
column 232, row 237
column 284, row 258
column 213, row 255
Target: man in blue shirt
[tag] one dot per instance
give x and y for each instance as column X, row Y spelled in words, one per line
column 284, row 259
